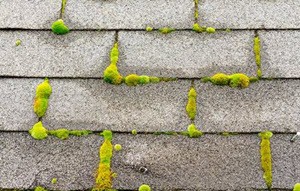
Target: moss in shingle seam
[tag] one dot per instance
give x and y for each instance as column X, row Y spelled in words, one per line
column 166, row 30
column 296, row 187
column 58, row 27
column 266, row 157
column 191, row 106
column 256, row 49
column 43, row 92
column 237, row 80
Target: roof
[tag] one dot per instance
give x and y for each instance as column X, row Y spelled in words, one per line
column 82, row 100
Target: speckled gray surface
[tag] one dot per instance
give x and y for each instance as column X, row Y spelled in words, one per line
column 95, row 105
column 186, row 54
column 129, row 14
column 29, row 14
column 16, row 105
column 246, row 14
column 27, row 163
column 212, row 162
column 265, row 105
column 280, row 53
column 44, row 54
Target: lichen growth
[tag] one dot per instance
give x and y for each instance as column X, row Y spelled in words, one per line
column 54, row 180
column 296, row 187
column 166, row 30
column 43, row 92
column 118, row 147
column 111, row 73
column 144, row 187
column 59, row 27
column 149, row 29
column 193, row 132
column 104, row 174
column 191, row 107
column 39, row 188
column 38, row 131
column 18, row 42
column 237, row 80
column 256, row 49
column 266, row 157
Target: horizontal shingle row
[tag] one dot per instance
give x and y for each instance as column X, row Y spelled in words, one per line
column 212, row 162
column 137, row 14
column 95, row 105
column 179, row 54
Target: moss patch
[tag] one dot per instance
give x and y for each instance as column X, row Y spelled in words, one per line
column 191, row 107
column 237, row 80
column 118, row 147
column 296, row 187
column 144, row 187
column 39, row 188
column 166, row 30
column 193, row 132
column 111, row 73
column 256, row 49
column 200, row 29
column 43, row 92
column 266, row 157
column 38, row 131
column 104, row 174
column 18, row 42
column 58, row 27
column 149, row 29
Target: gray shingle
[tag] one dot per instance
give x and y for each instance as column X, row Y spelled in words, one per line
column 95, row 105
column 41, row 53
column 250, row 13
column 186, row 54
column 129, row 14
column 16, row 106
column 280, row 53
column 28, row 14
column 265, row 105
column 26, row 163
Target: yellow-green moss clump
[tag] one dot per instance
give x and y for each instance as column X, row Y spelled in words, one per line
column 199, row 29
column 59, row 27
column 104, row 174
column 266, row 157
column 149, row 29
column 166, row 30
column 65, row 133
column 296, row 187
column 134, row 132
column 237, row 80
column 118, row 147
column 18, row 42
column 38, row 131
column 133, row 80
column 257, row 56
column 111, row 73
column 43, row 92
column 54, row 180
column 39, row 188
column 193, row 132
column 144, row 187
column 191, row 107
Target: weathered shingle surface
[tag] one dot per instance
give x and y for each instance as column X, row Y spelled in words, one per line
column 129, row 14
column 29, row 14
column 254, row 14
column 227, row 157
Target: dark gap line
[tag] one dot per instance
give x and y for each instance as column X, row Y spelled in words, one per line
column 101, row 78
column 156, row 29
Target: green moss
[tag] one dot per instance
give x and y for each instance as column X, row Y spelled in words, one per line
column 144, row 79
column 166, row 30
column 40, row 106
column 134, row 132
column 228, row 30
column 59, row 27
column 79, row 133
column 18, row 42
column 296, row 187
column 39, row 188
column 149, row 29
column 193, row 132
column 44, row 89
column 266, row 157
column 54, row 180
column 198, row 28
column 239, row 80
column 64, row 2
column 60, row 133
column 154, row 79
column 38, row 131
column 104, row 174
column 226, row 134
column 132, row 80
column 144, row 187
column 220, row 79
column 210, row 30
column 256, row 49
column 118, row 147
column 111, row 73
column 165, row 133
column 191, row 107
